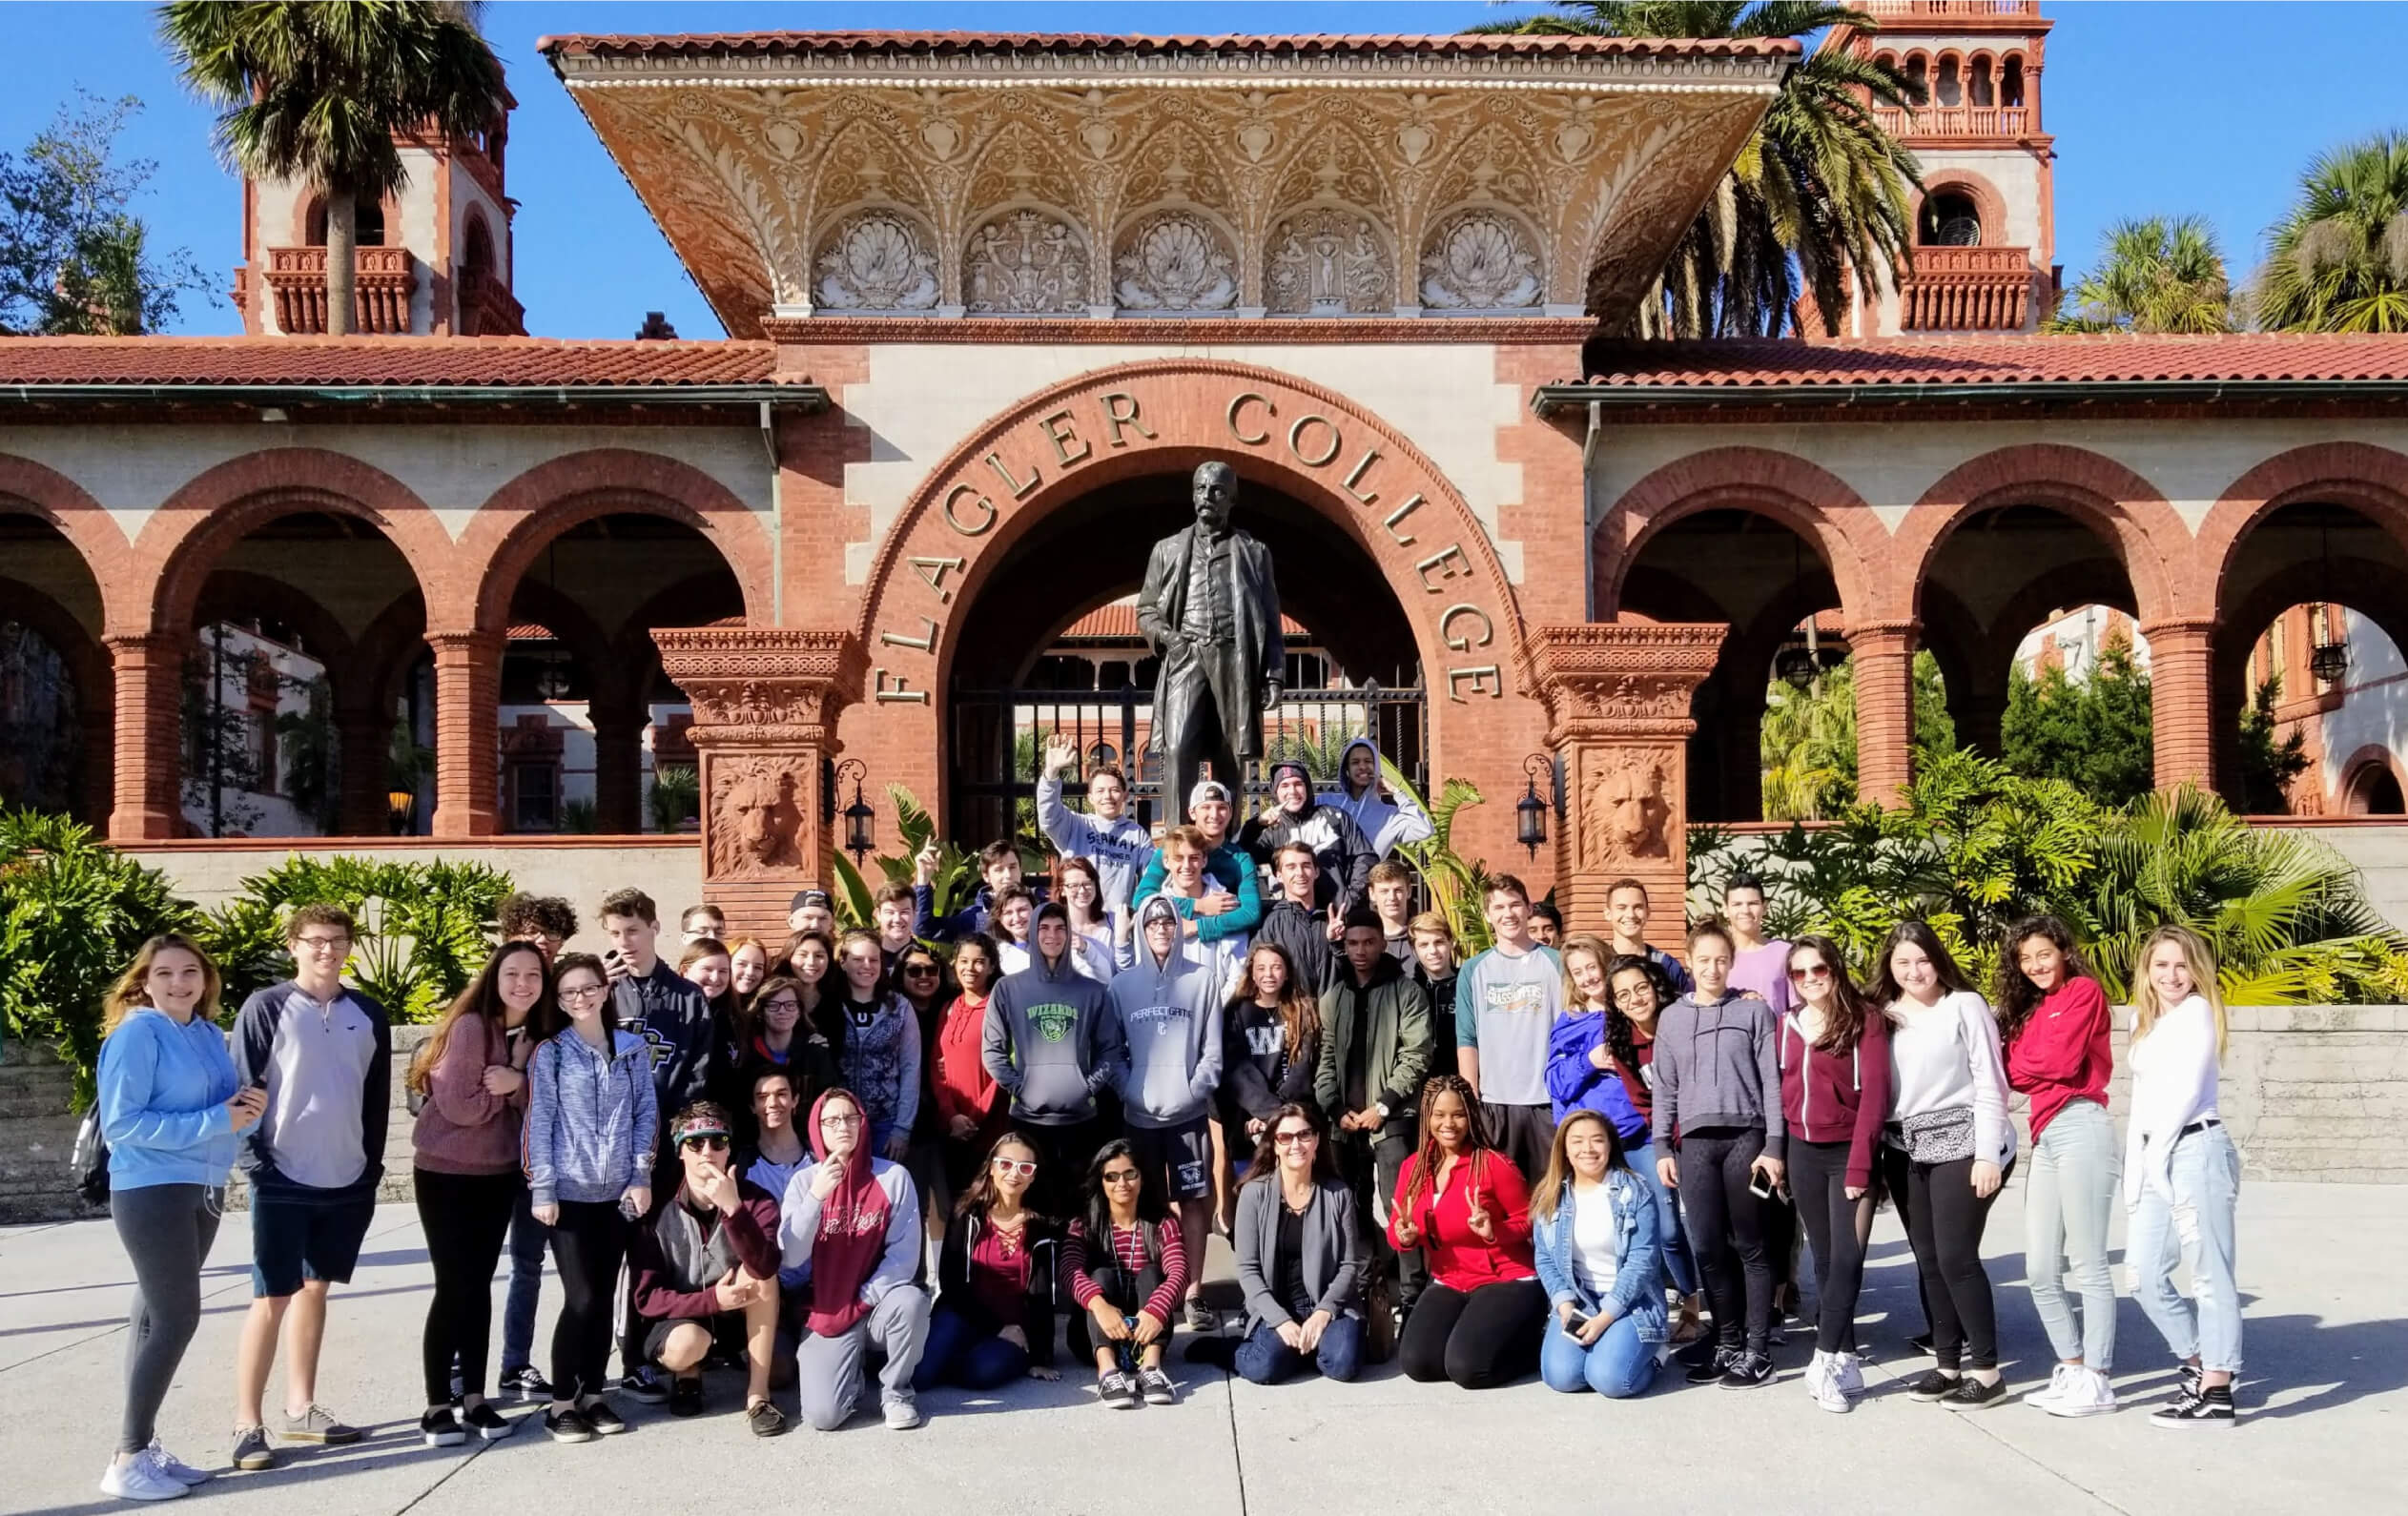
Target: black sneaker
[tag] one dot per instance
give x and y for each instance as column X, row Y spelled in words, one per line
column 1712, row 1370
column 1747, row 1371
column 437, row 1429
column 1934, row 1386
column 1117, row 1390
column 526, row 1384
column 1700, row 1353
column 1155, row 1386
column 487, row 1422
column 644, row 1386
column 568, row 1427
column 2189, row 1379
column 604, row 1420
column 2203, row 1407
column 1972, row 1395
column 685, row 1397
column 764, row 1419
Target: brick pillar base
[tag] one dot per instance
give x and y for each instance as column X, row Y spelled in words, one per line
column 2182, row 701
column 1884, row 655
column 766, row 703
column 148, row 740
column 467, row 753
column 1618, row 720
column 364, row 738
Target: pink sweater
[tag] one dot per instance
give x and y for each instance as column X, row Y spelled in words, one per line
column 462, row 1129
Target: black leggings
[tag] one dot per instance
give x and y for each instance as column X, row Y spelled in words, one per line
column 1726, row 1231
column 1837, row 1228
column 1943, row 1225
column 1480, row 1340
column 589, row 1241
column 465, row 1217
column 167, row 1229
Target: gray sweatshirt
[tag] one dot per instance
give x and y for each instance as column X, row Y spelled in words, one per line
column 1715, row 1065
column 1170, row 1015
column 1053, row 1042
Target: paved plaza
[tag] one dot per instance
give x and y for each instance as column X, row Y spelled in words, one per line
column 2323, row 1404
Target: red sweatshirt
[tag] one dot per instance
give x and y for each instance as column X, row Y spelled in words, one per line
column 1842, row 1099
column 2062, row 1054
column 752, row 1231
column 963, row 1086
column 1458, row 1259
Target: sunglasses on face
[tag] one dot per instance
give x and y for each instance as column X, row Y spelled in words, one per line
column 1122, row 1177
column 1811, row 970
column 836, row 1118
column 1293, row 1139
column 918, row 969
column 1014, row 1168
column 706, row 1144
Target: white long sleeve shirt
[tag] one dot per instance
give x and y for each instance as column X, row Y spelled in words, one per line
column 2173, row 1084
column 1947, row 1054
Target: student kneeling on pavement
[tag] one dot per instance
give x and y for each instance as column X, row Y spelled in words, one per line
column 708, row 1252
column 851, row 1238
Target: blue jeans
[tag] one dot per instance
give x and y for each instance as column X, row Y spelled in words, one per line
column 1263, row 1359
column 529, row 1239
column 2195, row 1227
column 1678, row 1266
column 1617, row 1365
column 2069, row 1192
column 959, row 1353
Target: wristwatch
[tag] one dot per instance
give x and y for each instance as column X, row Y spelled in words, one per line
column 1381, row 1106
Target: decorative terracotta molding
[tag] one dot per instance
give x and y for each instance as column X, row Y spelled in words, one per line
column 1609, row 681
column 762, row 686
column 1153, row 331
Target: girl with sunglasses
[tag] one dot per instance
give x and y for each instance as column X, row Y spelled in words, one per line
column 1833, row 1050
column 994, row 1319
column 1125, row 1266
column 918, row 976
column 1300, row 1259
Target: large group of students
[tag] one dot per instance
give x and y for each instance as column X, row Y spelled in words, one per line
column 908, row 1153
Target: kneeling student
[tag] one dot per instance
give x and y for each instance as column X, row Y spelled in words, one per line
column 708, row 1252
column 852, row 1237
column 1595, row 1236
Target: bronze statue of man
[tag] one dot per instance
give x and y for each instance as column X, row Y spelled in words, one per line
column 1210, row 611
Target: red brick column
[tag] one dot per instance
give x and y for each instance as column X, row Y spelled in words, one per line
column 1884, row 707
column 2182, row 701
column 766, row 701
column 467, row 753
column 618, row 760
column 1618, row 720
column 148, row 735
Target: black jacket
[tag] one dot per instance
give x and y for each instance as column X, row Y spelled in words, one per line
column 1305, row 936
column 1254, row 1083
column 1338, row 845
column 675, row 1016
column 1042, row 1239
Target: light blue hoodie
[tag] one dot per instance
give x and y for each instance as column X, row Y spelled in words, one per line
column 163, row 1094
column 1170, row 1017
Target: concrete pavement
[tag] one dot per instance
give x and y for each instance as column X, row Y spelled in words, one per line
column 2323, row 1403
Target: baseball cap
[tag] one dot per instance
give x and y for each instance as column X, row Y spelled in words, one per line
column 1207, row 789
column 811, row 898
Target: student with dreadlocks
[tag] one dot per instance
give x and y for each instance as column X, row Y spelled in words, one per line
column 1466, row 1206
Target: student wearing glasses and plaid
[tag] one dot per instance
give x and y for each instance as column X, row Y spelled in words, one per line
column 706, row 1258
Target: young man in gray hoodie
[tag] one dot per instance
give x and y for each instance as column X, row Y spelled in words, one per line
column 1168, row 1006
column 1054, row 1045
column 1106, row 835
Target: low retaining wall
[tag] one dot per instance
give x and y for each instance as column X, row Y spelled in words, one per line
column 2314, row 1093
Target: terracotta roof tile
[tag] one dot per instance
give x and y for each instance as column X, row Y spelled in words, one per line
column 935, row 42
column 368, row 361
column 2005, row 359
column 1118, row 620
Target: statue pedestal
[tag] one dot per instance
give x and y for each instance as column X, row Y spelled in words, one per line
column 1618, row 721
column 766, row 701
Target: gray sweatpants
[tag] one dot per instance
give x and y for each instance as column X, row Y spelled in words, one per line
column 828, row 1369
column 167, row 1230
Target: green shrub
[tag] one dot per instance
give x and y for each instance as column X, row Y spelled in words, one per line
column 423, row 927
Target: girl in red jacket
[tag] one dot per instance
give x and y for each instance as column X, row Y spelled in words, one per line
column 969, row 1103
column 1834, row 1053
column 2052, row 1018
column 1464, row 1203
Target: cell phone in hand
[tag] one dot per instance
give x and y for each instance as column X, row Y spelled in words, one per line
column 1578, row 1324
column 1761, row 1185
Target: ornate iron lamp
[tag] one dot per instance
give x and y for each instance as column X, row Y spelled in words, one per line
column 860, row 821
column 1529, row 812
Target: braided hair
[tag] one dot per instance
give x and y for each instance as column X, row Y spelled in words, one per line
column 1475, row 1139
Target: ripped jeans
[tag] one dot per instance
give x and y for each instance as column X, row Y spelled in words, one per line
column 2195, row 1227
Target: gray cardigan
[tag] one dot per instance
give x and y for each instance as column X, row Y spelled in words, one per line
column 1333, row 1252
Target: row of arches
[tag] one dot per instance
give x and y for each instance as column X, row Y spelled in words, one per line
column 1955, row 77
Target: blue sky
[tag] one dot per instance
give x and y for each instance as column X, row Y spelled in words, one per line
column 2158, row 108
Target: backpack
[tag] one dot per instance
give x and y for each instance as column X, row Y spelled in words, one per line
column 89, row 1167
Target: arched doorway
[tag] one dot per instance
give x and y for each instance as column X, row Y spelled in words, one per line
column 1049, row 643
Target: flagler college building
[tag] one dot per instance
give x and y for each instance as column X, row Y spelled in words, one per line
column 991, row 298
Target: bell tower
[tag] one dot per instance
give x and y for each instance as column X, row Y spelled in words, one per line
column 433, row 260
column 1985, row 222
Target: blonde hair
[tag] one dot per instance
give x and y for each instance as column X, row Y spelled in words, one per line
column 1589, row 943
column 2200, row 959
column 132, row 989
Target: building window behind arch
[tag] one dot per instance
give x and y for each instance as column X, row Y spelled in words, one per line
column 367, row 222
column 1951, row 219
column 2010, row 85
column 1950, row 89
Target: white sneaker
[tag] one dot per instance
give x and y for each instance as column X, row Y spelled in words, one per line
column 173, row 1466
column 902, row 1415
column 1818, row 1373
column 2088, row 1392
column 1847, row 1374
column 2059, row 1376
column 1831, row 1398
column 139, row 1479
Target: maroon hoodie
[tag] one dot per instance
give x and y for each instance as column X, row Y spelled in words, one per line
column 752, row 1232
column 1842, row 1097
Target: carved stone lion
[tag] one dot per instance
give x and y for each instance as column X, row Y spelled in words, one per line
column 754, row 821
column 1624, row 814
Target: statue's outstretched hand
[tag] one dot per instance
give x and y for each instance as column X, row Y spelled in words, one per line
column 1271, row 693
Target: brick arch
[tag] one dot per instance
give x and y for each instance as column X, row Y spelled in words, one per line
column 1187, row 405
column 89, row 664
column 2366, row 478
column 2127, row 510
column 1988, row 203
column 1808, row 500
column 32, row 489
column 2354, row 770
column 518, row 520
column 2376, row 591
column 195, row 526
column 228, row 593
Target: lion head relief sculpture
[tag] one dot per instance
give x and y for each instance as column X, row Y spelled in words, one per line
column 1624, row 813
column 755, row 823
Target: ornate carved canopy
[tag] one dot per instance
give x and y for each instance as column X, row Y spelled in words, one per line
column 902, row 174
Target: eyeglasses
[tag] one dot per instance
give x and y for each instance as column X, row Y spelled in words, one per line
column 1016, row 1168
column 1635, row 995
column 323, row 944
column 1295, row 1140
column 1122, row 1177
column 707, row 1144
column 836, row 1118
column 584, row 992
column 1812, row 971
column 785, row 1003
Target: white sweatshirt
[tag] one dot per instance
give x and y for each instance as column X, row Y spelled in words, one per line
column 2173, row 1084
column 1947, row 1054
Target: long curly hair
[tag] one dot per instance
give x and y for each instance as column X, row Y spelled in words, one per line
column 2017, row 995
column 1621, row 1033
column 1475, row 1138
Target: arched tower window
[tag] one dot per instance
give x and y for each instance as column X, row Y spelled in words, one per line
column 368, row 221
column 1951, row 219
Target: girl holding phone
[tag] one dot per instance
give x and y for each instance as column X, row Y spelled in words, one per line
column 1464, row 1204
column 1593, row 1229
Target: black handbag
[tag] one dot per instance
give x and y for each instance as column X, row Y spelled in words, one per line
column 90, row 1164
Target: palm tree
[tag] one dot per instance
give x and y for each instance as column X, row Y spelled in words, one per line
column 316, row 92
column 1807, row 747
column 2155, row 274
column 1818, row 196
column 2338, row 262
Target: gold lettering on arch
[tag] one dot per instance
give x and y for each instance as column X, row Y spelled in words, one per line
column 934, row 571
column 1453, row 550
column 1238, row 405
column 953, row 498
column 1116, row 417
column 1057, row 427
column 1485, row 679
column 1354, row 477
column 1296, row 440
column 1019, row 491
column 1464, row 644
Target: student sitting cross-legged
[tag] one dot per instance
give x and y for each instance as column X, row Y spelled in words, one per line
column 708, row 1252
column 1593, row 1234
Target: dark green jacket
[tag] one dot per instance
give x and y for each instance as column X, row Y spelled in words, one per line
column 1391, row 1015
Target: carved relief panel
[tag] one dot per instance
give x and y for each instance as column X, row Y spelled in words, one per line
column 1025, row 261
column 1626, row 807
column 1327, row 260
column 1175, row 260
column 1482, row 259
column 876, row 261
column 756, row 820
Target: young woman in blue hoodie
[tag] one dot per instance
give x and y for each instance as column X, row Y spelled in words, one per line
column 169, row 1111
column 1593, row 1237
column 592, row 1118
column 1581, row 1074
